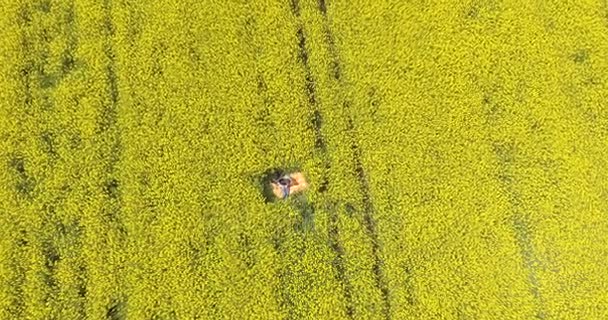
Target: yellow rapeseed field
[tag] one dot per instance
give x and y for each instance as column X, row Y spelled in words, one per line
column 456, row 153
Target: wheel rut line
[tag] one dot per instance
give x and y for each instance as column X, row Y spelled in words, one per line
column 368, row 206
column 48, row 81
column 111, row 75
column 320, row 146
column 505, row 154
column 108, row 126
column 316, row 121
column 68, row 59
column 17, row 303
column 335, row 64
column 262, row 118
column 68, row 64
column 369, row 220
column 35, row 61
column 27, row 72
column 336, row 246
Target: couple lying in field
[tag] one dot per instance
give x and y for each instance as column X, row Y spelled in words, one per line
column 288, row 184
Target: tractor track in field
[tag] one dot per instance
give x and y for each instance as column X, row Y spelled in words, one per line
column 37, row 81
column 25, row 182
column 20, row 244
column 336, row 246
column 262, row 118
column 74, row 230
column 25, row 21
column 505, row 153
column 108, row 127
column 310, row 85
column 316, row 123
column 109, row 115
column 369, row 221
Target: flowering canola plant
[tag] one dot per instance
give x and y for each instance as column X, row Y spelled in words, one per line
column 455, row 153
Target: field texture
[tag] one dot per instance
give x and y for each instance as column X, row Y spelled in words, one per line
column 457, row 154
